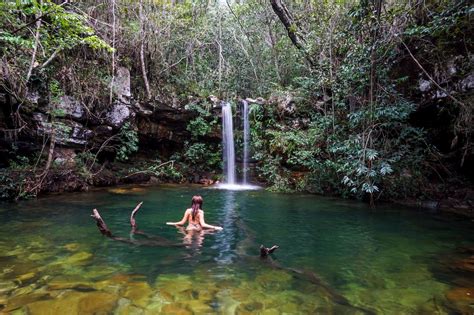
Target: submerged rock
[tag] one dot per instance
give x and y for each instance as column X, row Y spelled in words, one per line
column 72, row 302
column 19, row 301
column 77, row 285
column 127, row 190
column 462, row 299
column 76, row 259
column 138, row 292
column 126, row 308
column 97, row 302
column 176, row 308
column 25, row 277
column 72, row 247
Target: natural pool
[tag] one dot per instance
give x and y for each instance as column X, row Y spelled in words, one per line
column 336, row 256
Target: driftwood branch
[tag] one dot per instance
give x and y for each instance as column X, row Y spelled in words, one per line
column 152, row 240
column 133, row 222
column 101, row 224
column 265, row 251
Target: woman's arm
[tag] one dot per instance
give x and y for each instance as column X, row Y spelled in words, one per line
column 204, row 225
column 183, row 220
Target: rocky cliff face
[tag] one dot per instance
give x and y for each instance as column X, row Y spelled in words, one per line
column 29, row 127
column 445, row 106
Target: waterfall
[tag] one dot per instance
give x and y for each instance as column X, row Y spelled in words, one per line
column 228, row 144
column 229, row 150
column 246, row 139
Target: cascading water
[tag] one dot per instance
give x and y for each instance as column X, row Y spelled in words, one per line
column 228, row 142
column 246, row 140
column 229, row 150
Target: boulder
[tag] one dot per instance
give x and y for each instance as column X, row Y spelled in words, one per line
column 119, row 114
column 68, row 132
column 64, row 157
column 121, row 85
column 3, row 98
column 33, row 97
column 468, row 82
column 424, row 85
column 285, row 103
column 452, row 65
column 143, row 109
column 71, row 107
column 258, row 100
column 214, row 100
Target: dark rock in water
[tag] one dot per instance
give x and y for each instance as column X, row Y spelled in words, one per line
column 206, row 181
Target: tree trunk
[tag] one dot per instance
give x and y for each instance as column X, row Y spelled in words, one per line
column 142, row 48
column 294, row 32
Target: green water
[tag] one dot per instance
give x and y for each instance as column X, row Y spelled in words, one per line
column 335, row 256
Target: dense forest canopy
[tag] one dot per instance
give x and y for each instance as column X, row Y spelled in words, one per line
column 369, row 98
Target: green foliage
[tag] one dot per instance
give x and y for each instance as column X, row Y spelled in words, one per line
column 165, row 171
column 15, row 178
column 200, row 127
column 202, row 156
column 128, row 142
column 350, row 133
column 444, row 21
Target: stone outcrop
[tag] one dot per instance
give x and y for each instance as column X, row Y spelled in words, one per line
column 121, row 85
column 86, row 137
column 119, row 114
column 67, row 132
column 285, row 103
column 72, row 108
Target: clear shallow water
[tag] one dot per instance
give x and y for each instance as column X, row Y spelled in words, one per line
column 335, row 256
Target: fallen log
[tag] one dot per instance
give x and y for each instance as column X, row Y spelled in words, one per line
column 152, row 240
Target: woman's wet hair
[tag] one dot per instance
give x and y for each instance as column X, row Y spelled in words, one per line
column 196, row 204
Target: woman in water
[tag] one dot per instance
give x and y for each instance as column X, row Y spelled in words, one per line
column 195, row 217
